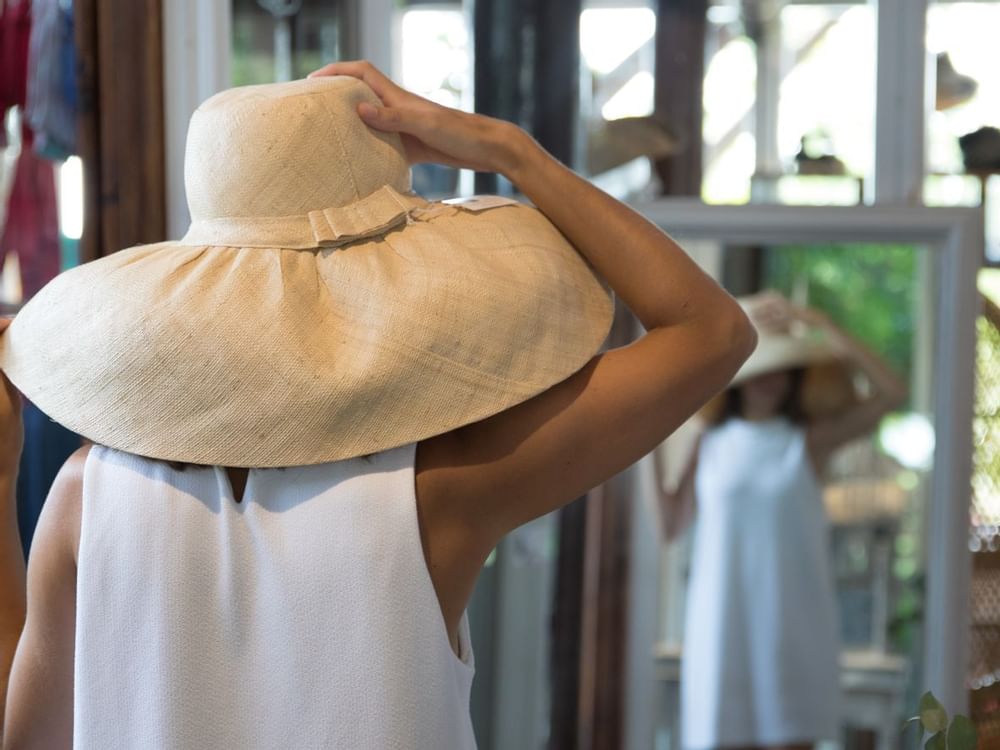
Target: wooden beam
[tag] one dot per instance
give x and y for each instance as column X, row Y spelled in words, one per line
column 555, row 100
column 680, row 72
column 121, row 127
column 88, row 125
column 499, row 57
column 605, row 596
column 567, row 610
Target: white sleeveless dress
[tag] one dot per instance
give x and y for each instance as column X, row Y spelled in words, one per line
column 303, row 617
column 761, row 644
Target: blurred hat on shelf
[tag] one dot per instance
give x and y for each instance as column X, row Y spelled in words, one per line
column 816, row 157
column 611, row 143
column 981, row 150
column 953, row 88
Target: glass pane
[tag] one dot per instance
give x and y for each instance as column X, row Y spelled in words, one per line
column 749, row 559
column 961, row 36
column 280, row 40
column 616, row 92
column 779, row 123
column 962, row 42
column 433, row 58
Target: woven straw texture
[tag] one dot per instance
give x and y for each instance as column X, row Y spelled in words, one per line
column 402, row 319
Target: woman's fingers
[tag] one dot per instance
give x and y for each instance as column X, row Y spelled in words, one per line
column 382, row 118
column 431, row 132
column 9, row 389
column 772, row 315
column 11, row 425
column 376, row 80
column 395, row 119
column 393, row 115
column 12, row 393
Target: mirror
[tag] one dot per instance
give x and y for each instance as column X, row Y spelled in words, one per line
column 792, row 602
column 758, row 638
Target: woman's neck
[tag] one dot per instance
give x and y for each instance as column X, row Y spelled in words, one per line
column 751, row 415
column 237, row 481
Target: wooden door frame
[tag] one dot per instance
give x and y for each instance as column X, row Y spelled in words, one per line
column 121, row 126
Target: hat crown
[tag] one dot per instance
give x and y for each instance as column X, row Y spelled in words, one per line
column 285, row 149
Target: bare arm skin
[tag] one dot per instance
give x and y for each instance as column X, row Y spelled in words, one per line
column 889, row 392
column 37, row 606
column 479, row 482
column 39, row 711
column 12, row 570
column 677, row 507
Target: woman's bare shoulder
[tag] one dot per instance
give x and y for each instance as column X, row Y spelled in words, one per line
column 65, row 498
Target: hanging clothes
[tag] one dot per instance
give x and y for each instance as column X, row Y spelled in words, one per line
column 47, row 445
column 15, row 32
column 51, row 96
column 32, row 227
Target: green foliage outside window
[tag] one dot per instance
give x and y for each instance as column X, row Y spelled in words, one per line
column 869, row 290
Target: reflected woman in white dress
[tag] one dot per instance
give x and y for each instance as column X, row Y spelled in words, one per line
column 760, row 658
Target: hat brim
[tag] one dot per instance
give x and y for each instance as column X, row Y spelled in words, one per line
column 276, row 357
column 777, row 352
column 828, row 385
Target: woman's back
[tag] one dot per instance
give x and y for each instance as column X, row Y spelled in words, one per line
column 309, row 603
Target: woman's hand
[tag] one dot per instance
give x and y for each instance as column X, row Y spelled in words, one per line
column 432, row 132
column 812, row 317
column 770, row 311
column 11, row 427
column 773, row 312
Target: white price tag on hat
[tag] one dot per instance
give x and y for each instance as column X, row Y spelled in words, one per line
column 480, row 202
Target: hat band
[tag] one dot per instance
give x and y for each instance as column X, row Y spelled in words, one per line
column 372, row 216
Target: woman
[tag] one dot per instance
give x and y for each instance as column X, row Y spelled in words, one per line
column 760, row 663
column 470, row 486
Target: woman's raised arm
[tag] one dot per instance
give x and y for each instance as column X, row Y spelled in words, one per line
column 494, row 475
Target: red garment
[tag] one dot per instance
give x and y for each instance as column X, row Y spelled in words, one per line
column 15, row 32
column 32, row 228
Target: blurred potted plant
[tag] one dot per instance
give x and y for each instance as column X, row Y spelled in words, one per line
column 960, row 734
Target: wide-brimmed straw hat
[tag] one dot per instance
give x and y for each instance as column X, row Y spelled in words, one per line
column 316, row 310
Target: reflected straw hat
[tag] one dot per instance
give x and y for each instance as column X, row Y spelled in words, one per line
column 783, row 350
column 828, row 381
column 316, row 310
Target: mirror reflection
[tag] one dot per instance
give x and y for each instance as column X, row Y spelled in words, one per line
column 791, row 509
